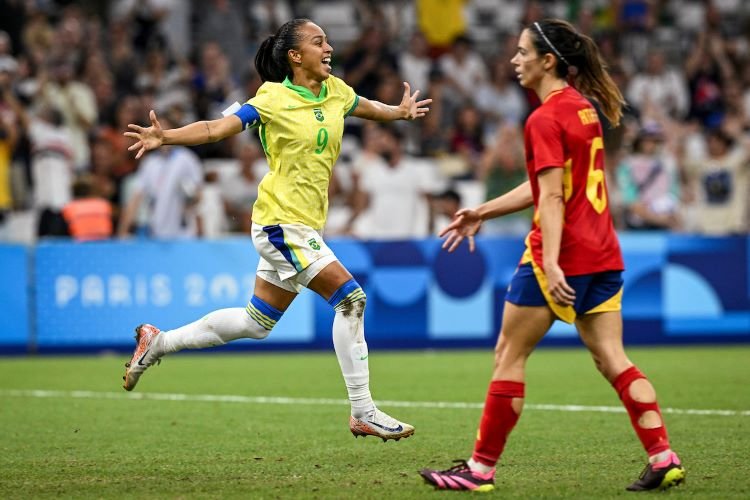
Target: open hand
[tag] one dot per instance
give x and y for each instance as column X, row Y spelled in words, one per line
column 410, row 107
column 147, row 138
column 466, row 224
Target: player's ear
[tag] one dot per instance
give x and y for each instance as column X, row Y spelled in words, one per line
column 549, row 61
column 295, row 56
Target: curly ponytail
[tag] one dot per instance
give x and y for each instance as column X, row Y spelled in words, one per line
column 579, row 60
column 271, row 59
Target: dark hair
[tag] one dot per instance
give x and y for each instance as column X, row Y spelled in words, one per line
column 271, row 59
column 83, row 186
column 722, row 136
column 578, row 59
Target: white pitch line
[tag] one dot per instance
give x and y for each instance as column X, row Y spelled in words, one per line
column 277, row 400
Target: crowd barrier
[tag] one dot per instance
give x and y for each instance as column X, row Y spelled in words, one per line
column 62, row 296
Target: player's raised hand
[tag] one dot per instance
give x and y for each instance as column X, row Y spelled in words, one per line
column 147, row 138
column 412, row 108
column 466, row 224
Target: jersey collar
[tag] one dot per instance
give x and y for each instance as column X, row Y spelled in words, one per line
column 306, row 93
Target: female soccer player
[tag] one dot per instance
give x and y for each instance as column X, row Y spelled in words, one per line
column 300, row 111
column 572, row 264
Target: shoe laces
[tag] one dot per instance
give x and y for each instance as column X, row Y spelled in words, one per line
column 461, row 466
column 384, row 419
column 645, row 471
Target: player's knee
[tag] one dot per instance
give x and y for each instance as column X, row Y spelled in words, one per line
column 349, row 299
column 261, row 319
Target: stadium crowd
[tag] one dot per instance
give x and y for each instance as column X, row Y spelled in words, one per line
column 74, row 74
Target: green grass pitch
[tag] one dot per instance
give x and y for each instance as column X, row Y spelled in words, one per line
column 85, row 437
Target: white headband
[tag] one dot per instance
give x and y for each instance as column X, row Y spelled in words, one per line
column 557, row 52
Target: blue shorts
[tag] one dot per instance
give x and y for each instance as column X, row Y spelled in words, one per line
column 599, row 292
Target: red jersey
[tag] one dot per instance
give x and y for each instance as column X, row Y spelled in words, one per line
column 564, row 132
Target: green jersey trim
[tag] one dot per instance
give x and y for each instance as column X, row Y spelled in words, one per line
column 262, row 135
column 306, row 93
column 354, row 106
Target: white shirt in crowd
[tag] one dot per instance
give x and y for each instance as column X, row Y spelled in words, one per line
column 51, row 164
column 75, row 101
column 722, row 187
column 398, row 207
column 168, row 179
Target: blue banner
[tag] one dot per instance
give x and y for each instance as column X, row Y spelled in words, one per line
column 677, row 289
column 14, row 298
column 96, row 293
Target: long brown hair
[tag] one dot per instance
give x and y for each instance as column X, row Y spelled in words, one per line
column 579, row 60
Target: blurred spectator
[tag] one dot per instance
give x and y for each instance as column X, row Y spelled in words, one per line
column 240, row 189
column 393, row 189
column 122, row 58
column 223, row 22
column 464, row 68
column 167, row 82
column 443, row 207
column 721, row 183
column 8, row 133
column 211, row 215
column 6, row 45
column 170, row 181
column 438, row 123
column 75, row 101
column 467, row 139
column 213, row 82
column 268, row 15
column 659, row 86
column 52, row 164
column 368, row 60
column 500, row 99
column 707, row 69
column 649, row 183
column 88, row 216
column 155, row 21
column 502, row 168
column 123, row 163
column 414, row 64
column 103, row 159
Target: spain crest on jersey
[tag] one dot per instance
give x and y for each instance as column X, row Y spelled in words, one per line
column 318, row 114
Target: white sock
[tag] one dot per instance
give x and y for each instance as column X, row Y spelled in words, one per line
column 479, row 467
column 214, row 329
column 351, row 351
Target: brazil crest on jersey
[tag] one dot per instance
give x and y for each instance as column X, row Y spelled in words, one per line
column 301, row 135
column 564, row 132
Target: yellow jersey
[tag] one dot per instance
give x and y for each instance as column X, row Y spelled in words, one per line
column 301, row 136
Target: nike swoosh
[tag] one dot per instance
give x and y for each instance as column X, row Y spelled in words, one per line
column 142, row 357
column 387, row 429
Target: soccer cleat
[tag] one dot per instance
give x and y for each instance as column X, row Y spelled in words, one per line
column 459, row 477
column 660, row 478
column 143, row 357
column 381, row 425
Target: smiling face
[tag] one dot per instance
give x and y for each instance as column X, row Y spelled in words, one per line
column 313, row 56
column 530, row 67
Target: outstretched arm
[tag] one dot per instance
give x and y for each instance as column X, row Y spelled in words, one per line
column 148, row 138
column 467, row 221
column 409, row 109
